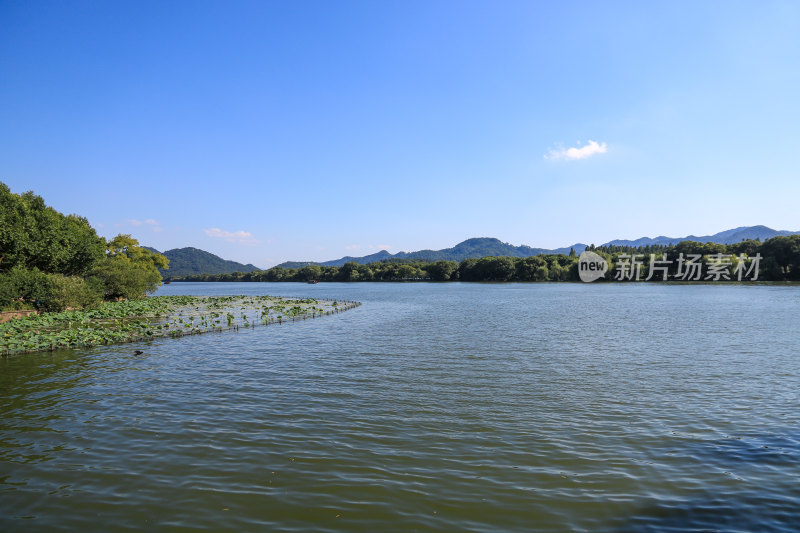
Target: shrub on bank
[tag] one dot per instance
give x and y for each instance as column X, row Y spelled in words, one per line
column 72, row 292
column 21, row 288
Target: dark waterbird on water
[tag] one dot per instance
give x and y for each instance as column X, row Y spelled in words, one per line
column 138, row 352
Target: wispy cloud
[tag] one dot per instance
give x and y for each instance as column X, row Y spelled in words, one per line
column 150, row 222
column 579, row 152
column 238, row 237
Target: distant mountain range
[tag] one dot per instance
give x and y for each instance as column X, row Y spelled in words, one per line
column 476, row 247
column 487, row 246
column 730, row 236
column 190, row 261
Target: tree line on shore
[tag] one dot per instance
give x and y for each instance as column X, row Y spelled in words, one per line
column 53, row 261
column 779, row 261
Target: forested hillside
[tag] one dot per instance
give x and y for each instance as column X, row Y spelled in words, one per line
column 469, row 249
column 777, row 259
column 192, row 261
column 489, row 247
column 55, row 261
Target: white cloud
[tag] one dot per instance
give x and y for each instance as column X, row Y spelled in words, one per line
column 153, row 223
column 581, row 152
column 238, row 237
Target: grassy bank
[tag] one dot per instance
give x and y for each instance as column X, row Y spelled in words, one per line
column 160, row 316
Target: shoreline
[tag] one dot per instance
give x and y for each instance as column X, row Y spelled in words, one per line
column 157, row 317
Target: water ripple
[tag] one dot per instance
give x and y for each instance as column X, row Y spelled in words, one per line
column 433, row 407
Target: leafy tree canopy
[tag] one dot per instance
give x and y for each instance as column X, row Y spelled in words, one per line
column 129, row 270
column 33, row 235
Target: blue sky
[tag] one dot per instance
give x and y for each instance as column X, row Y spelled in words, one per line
column 272, row 131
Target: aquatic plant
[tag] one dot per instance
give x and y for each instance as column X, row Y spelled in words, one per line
column 160, row 316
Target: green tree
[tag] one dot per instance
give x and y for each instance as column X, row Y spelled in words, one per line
column 349, row 271
column 33, row 235
column 527, row 268
column 441, row 270
column 785, row 251
column 129, row 271
column 22, row 288
column 307, row 273
column 365, row 273
column 496, row 268
column 71, row 292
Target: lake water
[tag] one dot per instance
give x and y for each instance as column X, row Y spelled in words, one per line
column 432, row 407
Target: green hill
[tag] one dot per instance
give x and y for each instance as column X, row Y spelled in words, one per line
column 475, row 247
column 190, row 261
column 491, row 247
